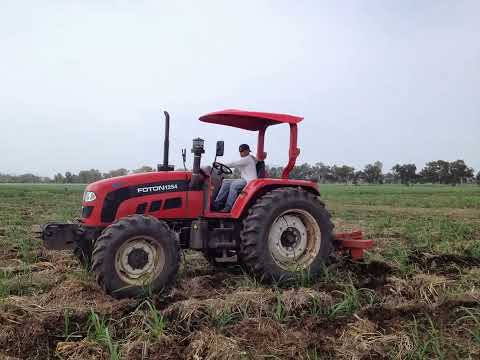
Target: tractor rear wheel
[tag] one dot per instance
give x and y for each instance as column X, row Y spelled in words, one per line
column 287, row 230
column 136, row 255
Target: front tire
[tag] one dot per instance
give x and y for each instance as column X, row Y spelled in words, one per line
column 136, row 255
column 83, row 252
column 287, row 230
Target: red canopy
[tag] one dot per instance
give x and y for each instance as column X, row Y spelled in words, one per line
column 248, row 120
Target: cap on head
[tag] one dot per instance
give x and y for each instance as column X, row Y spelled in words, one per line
column 243, row 147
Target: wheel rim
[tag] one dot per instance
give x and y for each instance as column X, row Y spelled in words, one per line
column 139, row 260
column 294, row 239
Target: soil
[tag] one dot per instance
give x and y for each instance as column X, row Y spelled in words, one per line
column 223, row 314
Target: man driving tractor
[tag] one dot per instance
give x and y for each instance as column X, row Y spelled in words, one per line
column 231, row 187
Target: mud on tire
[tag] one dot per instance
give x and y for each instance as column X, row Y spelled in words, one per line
column 286, row 230
column 135, row 254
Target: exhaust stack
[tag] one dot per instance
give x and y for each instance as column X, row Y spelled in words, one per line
column 166, row 146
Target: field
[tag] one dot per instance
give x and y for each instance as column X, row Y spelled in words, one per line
column 416, row 296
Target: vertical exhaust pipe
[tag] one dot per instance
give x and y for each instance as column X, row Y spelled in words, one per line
column 166, row 145
column 166, row 142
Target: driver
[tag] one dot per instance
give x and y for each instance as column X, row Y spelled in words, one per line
column 231, row 187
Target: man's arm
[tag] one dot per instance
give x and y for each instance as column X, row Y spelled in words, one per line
column 235, row 164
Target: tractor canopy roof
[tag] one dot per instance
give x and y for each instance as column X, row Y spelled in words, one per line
column 248, row 120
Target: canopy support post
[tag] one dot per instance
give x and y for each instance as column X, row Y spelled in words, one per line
column 293, row 152
column 261, row 154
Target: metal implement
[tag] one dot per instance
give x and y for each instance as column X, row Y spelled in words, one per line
column 57, row 236
column 354, row 243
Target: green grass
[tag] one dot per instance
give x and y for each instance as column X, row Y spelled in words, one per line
column 471, row 321
column 156, row 323
column 398, row 254
column 428, row 341
column 22, row 284
column 350, row 302
column 402, row 220
column 99, row 332
column 223, row 317
column 25, row 205
column 421, row 196
column 280, row 312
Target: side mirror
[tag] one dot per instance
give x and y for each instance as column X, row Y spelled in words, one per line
column 220, row 148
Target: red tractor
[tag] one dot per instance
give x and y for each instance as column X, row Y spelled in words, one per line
column 133, row 227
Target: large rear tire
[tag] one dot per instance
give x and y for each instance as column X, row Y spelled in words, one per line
column 136, row 255
column 287, row 230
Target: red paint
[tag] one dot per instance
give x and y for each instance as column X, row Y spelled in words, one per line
column 354, row 243
column 259, row 121
column 248, row 120
column 293, row 151
column 253, row 187
column 128, row 207
column 103, row 187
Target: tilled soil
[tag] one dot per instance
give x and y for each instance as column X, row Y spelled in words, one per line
column 353, row 311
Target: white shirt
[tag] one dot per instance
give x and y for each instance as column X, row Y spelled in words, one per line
column 247, row 166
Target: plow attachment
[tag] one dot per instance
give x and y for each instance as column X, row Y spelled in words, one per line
column 353, row 242
column 58, row 236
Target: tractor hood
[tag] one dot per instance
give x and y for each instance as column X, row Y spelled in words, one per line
column 104, row 200
column 139, row 181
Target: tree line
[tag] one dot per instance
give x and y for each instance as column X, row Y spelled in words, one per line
column 434, row 172
column 83, row 176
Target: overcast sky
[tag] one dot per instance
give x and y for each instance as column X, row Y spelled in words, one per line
column 83, row 83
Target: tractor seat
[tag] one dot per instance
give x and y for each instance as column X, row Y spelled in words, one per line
column 261, row 172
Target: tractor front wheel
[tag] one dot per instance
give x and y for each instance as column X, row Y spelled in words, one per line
column 136, row 255
column 83, row 252
column 287, row 230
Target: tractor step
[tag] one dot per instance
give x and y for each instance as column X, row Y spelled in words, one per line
column 353, row 242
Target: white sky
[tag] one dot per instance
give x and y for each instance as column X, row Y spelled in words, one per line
column 83, row 83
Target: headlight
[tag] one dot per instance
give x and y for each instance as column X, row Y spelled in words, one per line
column 89, row 196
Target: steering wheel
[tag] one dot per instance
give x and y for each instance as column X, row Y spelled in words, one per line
column 224, row 169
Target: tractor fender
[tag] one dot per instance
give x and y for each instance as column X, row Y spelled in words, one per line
column 259, row 187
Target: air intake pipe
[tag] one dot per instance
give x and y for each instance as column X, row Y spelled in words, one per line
column 197, row 150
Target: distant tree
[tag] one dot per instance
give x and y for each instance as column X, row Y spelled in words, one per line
column 343, row 173
column 444, row 172
column 322, row 172
column 303, row 171
column 389, row 178
column 59, row 178
column 144, row 168
column 6, row 178
column 436, row 172
column 28, row 178
column 477, row 178
column 69, row 177
column 459, row 172
column 274, row 171
column 89, row 176
column 115, row 173
column 406, row 173
column 358, row 177
column 373, row 173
